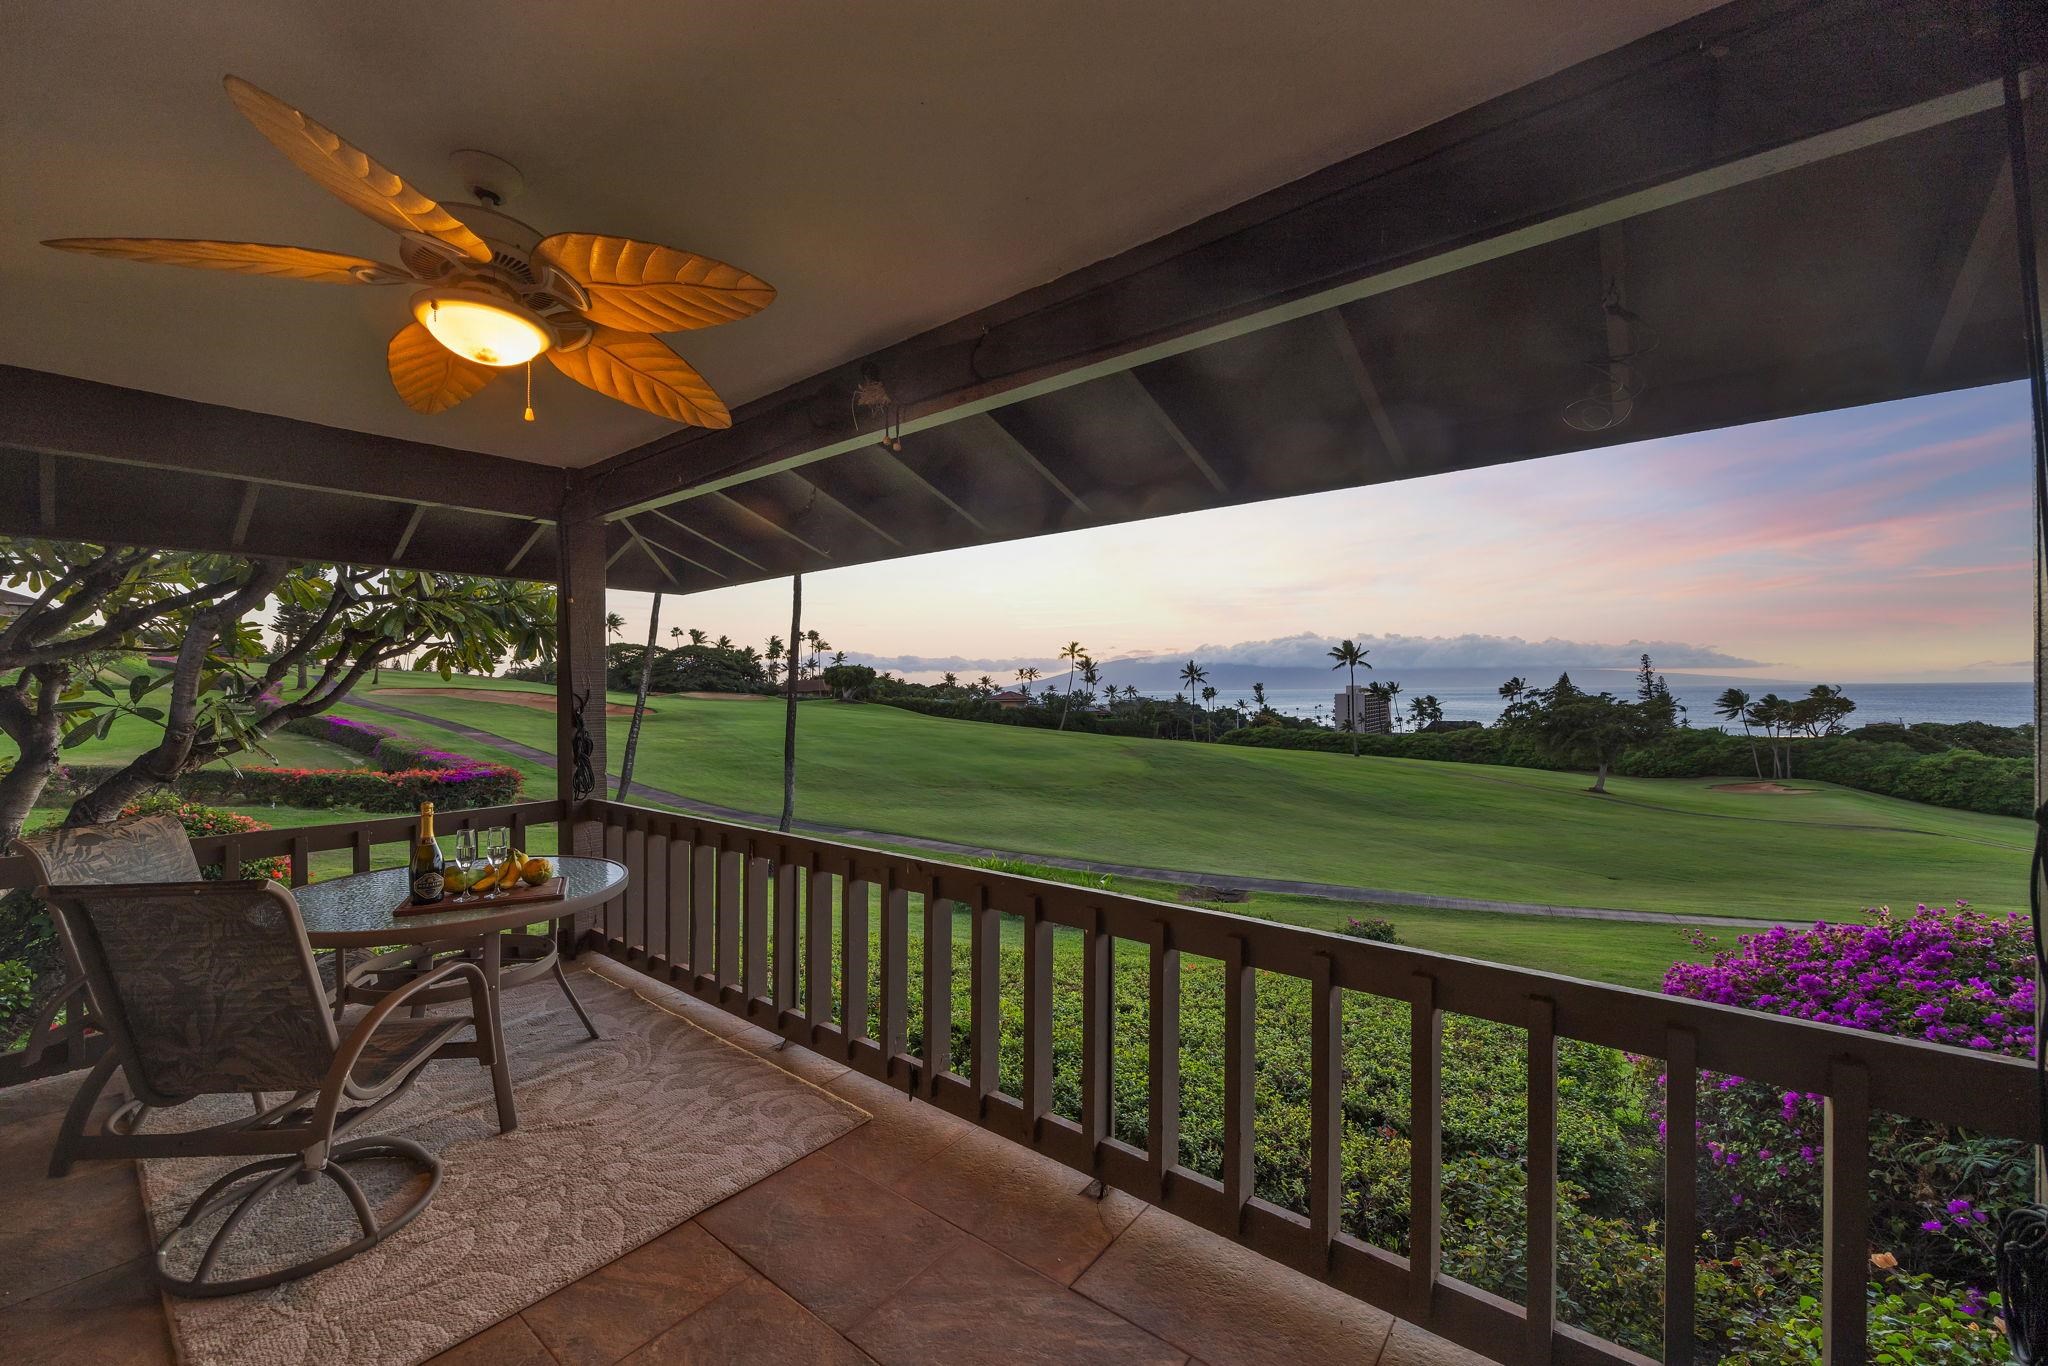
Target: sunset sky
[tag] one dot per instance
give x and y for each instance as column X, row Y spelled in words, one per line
column 1890, row 542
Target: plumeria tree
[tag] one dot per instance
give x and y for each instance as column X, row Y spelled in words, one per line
column 173, row 639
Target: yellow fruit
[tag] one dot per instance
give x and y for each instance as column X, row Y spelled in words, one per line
column 479, row 878
column 537, row 871
column 508, row 876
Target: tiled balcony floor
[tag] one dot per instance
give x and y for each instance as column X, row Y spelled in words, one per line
column 914, row 1238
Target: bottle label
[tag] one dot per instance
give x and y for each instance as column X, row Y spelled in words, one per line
column 428, row 886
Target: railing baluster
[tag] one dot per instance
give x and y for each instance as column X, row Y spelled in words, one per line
column 1325, row 1098
column 1096, row 948
column 818, row 940
column 635, row 918
column 984, row 997
column 680, row 852
column 1681, row 1193
column 786, row 875
column 1037, row 1095
column 730, row 867
column 1542, row 1187
column 895, row 985
column 703, row 908
column 655, row 917
column 1162, row 1098
column 613, row 916
column 302, row 861
column 1425, row 1143
column 853, row 957
column 938, row 986
column 754, row 932
column 1240, row 1016
column 1845, row 1215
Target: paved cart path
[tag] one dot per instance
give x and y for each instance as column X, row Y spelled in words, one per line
column 1329, row 891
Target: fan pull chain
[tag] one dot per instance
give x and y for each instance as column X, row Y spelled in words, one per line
column 529, row 391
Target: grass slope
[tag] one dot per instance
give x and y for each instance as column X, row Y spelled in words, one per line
column 1451, row 829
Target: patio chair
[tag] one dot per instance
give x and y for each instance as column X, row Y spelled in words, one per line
column 144, row 849
column 210, row 988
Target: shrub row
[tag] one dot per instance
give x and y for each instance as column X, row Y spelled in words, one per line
column 1895, row 761
column 406, row 773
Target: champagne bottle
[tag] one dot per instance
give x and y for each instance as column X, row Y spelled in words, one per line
column 428, row 883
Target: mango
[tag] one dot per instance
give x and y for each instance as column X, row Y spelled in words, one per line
column 537, row 871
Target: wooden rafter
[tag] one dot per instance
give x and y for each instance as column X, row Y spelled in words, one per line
column 1139, row 390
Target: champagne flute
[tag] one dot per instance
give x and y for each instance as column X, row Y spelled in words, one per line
column 465, row 859
column 501, row 850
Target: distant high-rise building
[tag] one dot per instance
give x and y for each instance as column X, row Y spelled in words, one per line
column 1367, row 709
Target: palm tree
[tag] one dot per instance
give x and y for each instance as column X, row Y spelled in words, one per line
column 699, row 637
column 1349, row 656
column 1071, row 652
column 1733, row 705
column 1194, row 675
column 986, row 684
column 640, row 698
column 724, row 643
column 774, row 655
column 1392, row 692
column 1259, row 696
column 1026, row 676
column 675, row 633
column 1090, row 676
column 838, row 658
column 1209, row 707
column 613, row 623
column 950, row 682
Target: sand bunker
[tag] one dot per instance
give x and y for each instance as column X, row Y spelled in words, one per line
column 536, row 701
column 1764, row 789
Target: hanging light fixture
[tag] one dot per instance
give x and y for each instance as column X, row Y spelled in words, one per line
column 482, row 324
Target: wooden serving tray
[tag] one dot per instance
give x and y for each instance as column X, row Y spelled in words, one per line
column 551, row 890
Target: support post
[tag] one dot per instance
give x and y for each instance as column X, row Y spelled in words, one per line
column 579, row 668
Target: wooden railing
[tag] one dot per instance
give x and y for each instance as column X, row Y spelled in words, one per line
column 62, row 1039
column 741, row 918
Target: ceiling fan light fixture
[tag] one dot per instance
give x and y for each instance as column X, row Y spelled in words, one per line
column 482, row 325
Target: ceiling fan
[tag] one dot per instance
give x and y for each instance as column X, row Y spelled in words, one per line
column 492, row 293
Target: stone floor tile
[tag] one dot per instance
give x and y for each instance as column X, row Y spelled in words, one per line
column 1225, row 1303
column 508, row 1342
column 830, row 1237
column 1411, row 1346
column 115, row 1318
column 628, row 1302
column 902, row 1135
column 752, row 1324
column 1029, row 1206
column 978, row 1305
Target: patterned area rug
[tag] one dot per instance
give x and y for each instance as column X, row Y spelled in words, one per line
column 618, row 1141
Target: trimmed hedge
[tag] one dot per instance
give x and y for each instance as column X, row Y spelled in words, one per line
column 406, row 774
column 1970, row 767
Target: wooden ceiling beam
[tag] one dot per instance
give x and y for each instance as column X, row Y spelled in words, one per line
column 244, row 514
column 1991, row 248
column 1006, row 440
column 1142, row 393
column 1345, row 336
column 526, row 545
column 60, row 415
column 720, row 546
column 1559, row 157
column 663, row 545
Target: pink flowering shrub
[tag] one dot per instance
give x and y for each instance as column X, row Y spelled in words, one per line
column 1949, row 975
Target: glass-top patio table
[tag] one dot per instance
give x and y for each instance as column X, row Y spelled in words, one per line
column 361, row 912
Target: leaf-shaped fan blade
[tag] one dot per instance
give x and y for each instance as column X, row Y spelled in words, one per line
column 646, row 373
column 427, row 375
column 243, row 258
column 349, row 173
column 641, row 287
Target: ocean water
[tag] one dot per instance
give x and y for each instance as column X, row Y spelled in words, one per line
column 1473, row 695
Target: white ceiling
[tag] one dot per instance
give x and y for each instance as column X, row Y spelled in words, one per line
column 888, row 165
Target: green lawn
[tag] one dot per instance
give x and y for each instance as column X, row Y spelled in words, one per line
column 1408, row 825
column 131, row 735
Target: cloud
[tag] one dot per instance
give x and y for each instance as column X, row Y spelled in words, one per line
column 1468, row 651
column 1471, row 651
